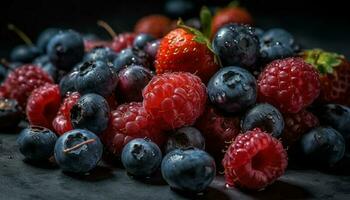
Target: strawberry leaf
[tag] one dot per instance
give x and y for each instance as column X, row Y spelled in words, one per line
column 323, row 61
column 233, row 4
column 206, row 18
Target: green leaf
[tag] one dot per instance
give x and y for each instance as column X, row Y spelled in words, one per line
column 323, row 61
column 206, row 18
column 234, row 3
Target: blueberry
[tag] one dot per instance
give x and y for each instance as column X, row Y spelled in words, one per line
column 180, row 8
column 44, row 62
column 131, row 56
column 232, row 89
column 101, row 53
column 45, row 37
column 323, row 146
column 132, row 80
column 141, row 157
column 24, row 53
column 10, row 114
column 190, row 170
column 258, row 32
column 274, row 50
column 265, row 117
column 36, row 143
column 142, row 39
column 96, row 77
column 152, row 48
column 185, row 137
column 66, row 49
column 91, row 112
column 236, row 45
column 78, row 151
column 67, row 82
column 337, row 116
column 281, row 36
column 3, row 73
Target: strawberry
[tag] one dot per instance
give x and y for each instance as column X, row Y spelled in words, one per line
column 155, row 25
column 186, row 49
column 231, row 14
column 334, row 71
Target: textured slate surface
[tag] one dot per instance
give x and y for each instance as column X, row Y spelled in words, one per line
column 21, row 180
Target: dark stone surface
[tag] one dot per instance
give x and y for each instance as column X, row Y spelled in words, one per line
column 22, row 180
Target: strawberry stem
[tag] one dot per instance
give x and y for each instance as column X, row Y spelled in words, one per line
column 107, row 27
column 20, row 34
column 79, row 145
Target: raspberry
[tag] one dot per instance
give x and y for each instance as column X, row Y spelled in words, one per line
column 22, row 81
column 43, row 105
column 62, row 122
column 218, row 130
column 123, row 41
column 289, row 84
column 175, row 99
column 254, row 160
column 296, row 125
column 127, row 122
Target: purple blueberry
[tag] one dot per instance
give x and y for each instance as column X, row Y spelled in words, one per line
column 132, row 80
column 152, row 48
column 265, row 117
column 131, row 56
column 142, row 39
column 185, row 137
column 36, row 143
column 67, row 82
column 78, row 151
column 232, row 89
column 236, row 45
column 141, row 157
column 190, row 170
column 91, row 112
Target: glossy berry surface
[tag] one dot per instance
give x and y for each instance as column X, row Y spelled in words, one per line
column 218, row 130
column 78, row 151
column 152, row 48
column 131, row 56
column 190, row 170
column 289, row 84
column 96, row 77
column 23, row 80
column 127, row 122
column 10, row 113
column 132, row 80
column 91, row 112
column 43, row 105
column 175, row 99
column 254, row 160
column 281, row 36
column 104, row 54
column 232, row 89
column 24, row 53
column 66, row 49
column 185, row 137
column 122, row 41
column 270, row 50
column 337, row 116
column 142, row 39
column 141, row 157
column 36, row 143
column 67, row 82
column 236, row 45
column 44, row 38
column 266, row 117
column 296, row 125
column 62, row 122
column 323, row 146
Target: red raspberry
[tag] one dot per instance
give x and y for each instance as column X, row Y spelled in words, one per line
column 175, row 99
column 218, row 130
column 289, row 84
column 296, row 124
column 62, row 122
column 123, row 41
column 127, row 122
column 254, row 160
column 43, row 105
column 20, row 83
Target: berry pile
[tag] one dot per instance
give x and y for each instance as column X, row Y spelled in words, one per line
column 180, row 100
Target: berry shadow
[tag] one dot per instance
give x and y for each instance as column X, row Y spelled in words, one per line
column 209, row 193
column 50, row 164
column 155, row 179
column 281, row 190
column 100, row 173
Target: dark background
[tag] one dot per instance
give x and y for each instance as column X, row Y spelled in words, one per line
column 314, row 23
